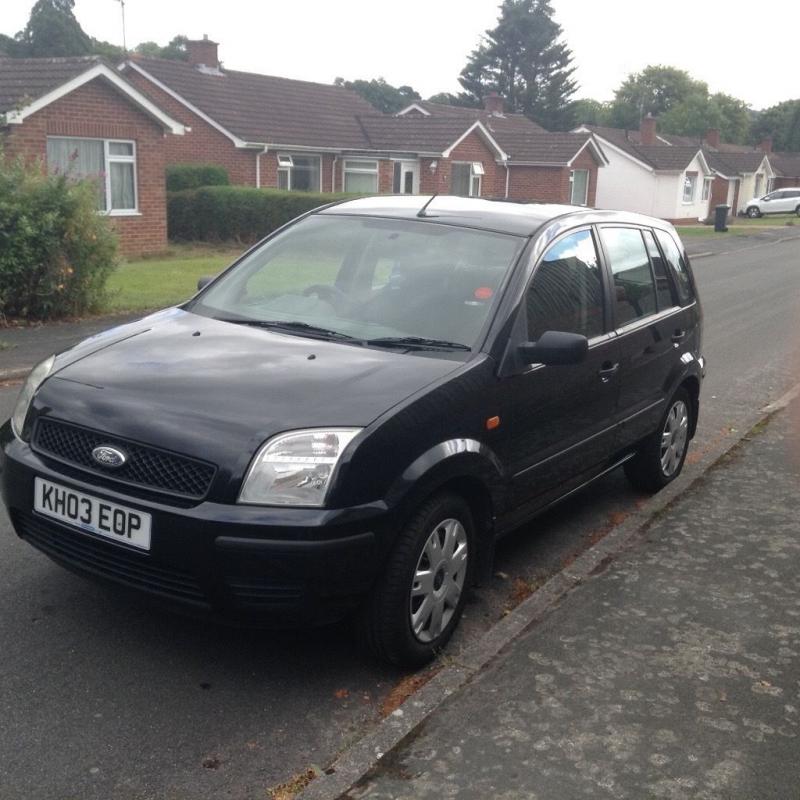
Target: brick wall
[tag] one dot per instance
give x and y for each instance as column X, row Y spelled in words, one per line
column 97, row 110
column 204, row 144
column 551, row 184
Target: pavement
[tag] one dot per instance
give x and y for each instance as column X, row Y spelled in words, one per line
column 724, row 243
column 673, row 672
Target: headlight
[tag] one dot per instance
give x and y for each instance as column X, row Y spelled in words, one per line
column 33, row 382
column 295, row 469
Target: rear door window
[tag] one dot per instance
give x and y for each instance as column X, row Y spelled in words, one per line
column 634, row 288
column 664, row 289
column 678, row 266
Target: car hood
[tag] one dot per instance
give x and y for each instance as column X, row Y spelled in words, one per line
column 217, row 390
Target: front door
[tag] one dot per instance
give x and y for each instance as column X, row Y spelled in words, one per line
column 563, row 416
column 406, row 177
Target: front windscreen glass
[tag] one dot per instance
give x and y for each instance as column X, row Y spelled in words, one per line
column 369, row 279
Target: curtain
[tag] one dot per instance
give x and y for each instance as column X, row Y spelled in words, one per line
column 123, row 195
column 81, row 159
column 361, row 182
column 580, row 184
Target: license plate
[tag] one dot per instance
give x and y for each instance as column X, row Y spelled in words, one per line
column 90, row 514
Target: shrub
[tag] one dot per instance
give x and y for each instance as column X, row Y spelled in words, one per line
column 193, row 176
column 56, row 251
column 217, row 213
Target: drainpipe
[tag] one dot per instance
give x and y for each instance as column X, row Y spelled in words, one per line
column 258, row 165
column 333, row 173
column 508, row 178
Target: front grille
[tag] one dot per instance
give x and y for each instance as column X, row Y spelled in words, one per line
column 147, row 467
column 82, row 551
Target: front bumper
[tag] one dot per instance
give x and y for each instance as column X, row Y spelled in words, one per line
column 271, row 566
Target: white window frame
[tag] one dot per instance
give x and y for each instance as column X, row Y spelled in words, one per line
column 707, row 188
column 361, row 170
column 286, row 165
column 585, row 200
column 108, row 159
column 689, row 182
column 476, row 173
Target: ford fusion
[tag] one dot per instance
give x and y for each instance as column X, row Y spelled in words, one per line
column 348, row 418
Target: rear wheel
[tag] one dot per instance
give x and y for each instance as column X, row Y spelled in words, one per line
column 416, row 604
column 659, row 459
column 797, row 211
column 753, row 212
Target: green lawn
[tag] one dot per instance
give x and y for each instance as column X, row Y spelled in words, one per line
column 741, row 225
column 165, row 279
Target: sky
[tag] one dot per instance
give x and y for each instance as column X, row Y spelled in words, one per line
column 425, row 43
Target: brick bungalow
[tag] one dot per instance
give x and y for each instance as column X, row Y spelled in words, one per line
column 80, row 115
column 297, row 135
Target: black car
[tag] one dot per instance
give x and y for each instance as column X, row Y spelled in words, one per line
column 348, row 418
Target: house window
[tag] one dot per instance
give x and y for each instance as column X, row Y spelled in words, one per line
column 707, row 188
column 689, row 183
column 360, row 177
column 466, row 179
column 299, row 173
column 579, row 187
column 759, row 180
column 110, row 163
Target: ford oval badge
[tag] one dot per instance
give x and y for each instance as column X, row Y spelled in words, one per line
column 108, row 456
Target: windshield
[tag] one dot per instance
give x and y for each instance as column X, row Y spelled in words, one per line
column 369, row 279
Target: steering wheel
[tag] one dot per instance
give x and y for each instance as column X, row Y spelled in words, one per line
column 333, row 294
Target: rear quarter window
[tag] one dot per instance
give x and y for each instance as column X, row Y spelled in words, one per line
column 678, row 266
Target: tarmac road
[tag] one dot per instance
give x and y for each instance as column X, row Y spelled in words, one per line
column 103, row 696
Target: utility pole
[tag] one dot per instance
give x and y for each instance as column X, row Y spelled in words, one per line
column 124, row 40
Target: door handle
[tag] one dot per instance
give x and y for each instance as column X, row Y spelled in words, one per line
column 679, row 334
column 607, row 369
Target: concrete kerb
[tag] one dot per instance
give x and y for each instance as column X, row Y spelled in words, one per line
column 352, row 765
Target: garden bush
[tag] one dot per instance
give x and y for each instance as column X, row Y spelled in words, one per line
column 193, row 176
column 56, row 251
column 241, row 213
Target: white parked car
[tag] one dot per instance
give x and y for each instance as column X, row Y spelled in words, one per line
column 781, row 201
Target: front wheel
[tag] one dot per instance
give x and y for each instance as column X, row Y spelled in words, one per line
column 416, row 604
column 753, row 212
column 659, row 459
column 797, row 211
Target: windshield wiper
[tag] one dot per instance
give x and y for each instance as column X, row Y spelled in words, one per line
column 292, row 326
column 417, row 343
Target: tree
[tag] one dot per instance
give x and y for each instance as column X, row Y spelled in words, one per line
column 782, row 123
column 655, row 90
column 588, row 111
column 450, row 99
column 382, row 95
column 174, row 51
column 735, row 114
column 52, row 30
column 524, row 60
column 692, row 116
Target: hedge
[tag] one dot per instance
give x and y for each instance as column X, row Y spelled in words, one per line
column 245, row 214
column 56, row 251
column 193, row 176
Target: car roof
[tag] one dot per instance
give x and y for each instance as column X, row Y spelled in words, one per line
column 520, row 219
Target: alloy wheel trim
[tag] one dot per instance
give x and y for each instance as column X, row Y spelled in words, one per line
column 438, row 580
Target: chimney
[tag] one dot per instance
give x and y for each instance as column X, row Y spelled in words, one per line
column 712, row 138
column 766, row 145
column 647, row 130
column 493, row 103
column 203, row 52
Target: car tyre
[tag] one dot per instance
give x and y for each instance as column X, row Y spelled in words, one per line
column 431, row 565
column 797, row 211
column 660, row 457
column 753, row 212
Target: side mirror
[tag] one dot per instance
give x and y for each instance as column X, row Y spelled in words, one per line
column 204, row 281
column 555, row 347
